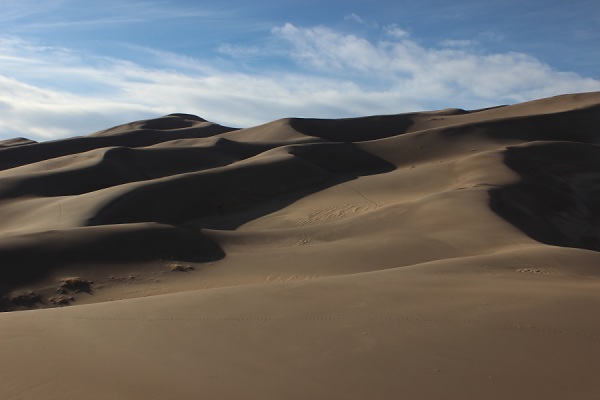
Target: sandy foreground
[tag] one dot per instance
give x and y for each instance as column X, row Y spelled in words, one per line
column 434, row 255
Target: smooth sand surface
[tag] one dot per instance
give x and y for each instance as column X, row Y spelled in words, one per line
column 448, row 254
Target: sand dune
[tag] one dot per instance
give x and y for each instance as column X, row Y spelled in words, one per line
column 443, row 254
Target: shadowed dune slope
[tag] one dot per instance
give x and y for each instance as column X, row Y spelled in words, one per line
column 180, row 188
column 143, row 133
column 557, row 200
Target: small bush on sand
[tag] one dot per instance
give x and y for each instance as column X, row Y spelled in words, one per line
column 75, row 284
column 26, row 299
column 180, row 268
column 61, row 300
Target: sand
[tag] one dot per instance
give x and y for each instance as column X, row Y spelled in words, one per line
column 445, row 254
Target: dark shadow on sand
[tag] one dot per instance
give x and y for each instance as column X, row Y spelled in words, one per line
column 557, row 201
column 163, row 219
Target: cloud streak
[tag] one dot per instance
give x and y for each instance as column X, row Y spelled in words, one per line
column 50, row 92
column 458, row 73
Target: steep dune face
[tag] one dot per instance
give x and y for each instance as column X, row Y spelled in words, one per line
column 557, row 200
column 445, row 254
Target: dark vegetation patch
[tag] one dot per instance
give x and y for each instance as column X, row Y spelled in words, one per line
column 61, row 300
column 180, row 268
column 27, row 299
column 75, row 285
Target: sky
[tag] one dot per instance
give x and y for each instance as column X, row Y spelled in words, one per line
column 73, row 67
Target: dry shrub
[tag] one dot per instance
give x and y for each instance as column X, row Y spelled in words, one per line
column 25, row 299
column 75, row 284
column 180, row 268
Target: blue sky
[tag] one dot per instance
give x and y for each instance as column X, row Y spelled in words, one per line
column 72, row 67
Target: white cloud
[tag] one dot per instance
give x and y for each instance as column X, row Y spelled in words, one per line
column 48, row 92
column 325, row 49
column 46, row 114
column 396, row 32
column 454, row 74
column 86, row 97
column 354, row 17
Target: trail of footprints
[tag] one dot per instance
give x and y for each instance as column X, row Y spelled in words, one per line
column 335, row 212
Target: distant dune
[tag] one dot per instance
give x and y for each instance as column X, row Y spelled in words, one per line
column 446, row 254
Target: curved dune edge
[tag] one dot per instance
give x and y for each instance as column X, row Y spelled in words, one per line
column 445, row 254
column 295, row 198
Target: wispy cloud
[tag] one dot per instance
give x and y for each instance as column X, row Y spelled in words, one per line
column 48, row 92
column 353, row 17
column 86, row 24
column 19, row 10
column 29, row 17
column 239, row 51
column 325, row 49
column 458, row 73
column 396, row 32
column 357, row 19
